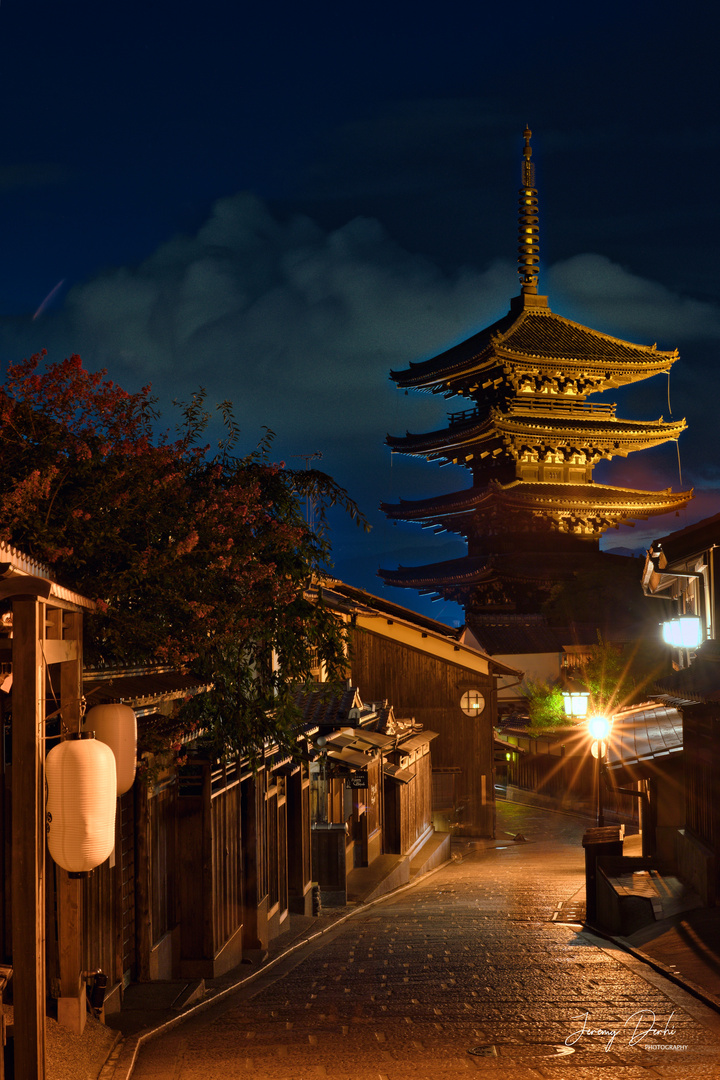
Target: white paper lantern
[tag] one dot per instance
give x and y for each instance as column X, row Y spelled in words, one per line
column 116, row 726
column 81, row 801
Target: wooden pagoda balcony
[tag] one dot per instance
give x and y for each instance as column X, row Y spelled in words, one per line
column 536, row 404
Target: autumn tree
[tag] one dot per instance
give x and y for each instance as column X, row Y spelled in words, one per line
column 195, row 557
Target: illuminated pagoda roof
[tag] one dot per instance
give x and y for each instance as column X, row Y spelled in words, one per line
column 533, row 345
column 569, row 504
column 547, row 422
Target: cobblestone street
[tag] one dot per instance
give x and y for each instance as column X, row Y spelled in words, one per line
column 464, row 973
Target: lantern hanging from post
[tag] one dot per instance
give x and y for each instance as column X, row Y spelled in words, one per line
column 683, row 632
column 81, row 801
column 116, row 726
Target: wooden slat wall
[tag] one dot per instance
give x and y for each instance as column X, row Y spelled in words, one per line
column 430, row 690
column 163, row 847
column 99, row 922
column 226, row 865
column 272, row 849
column 6, row 853
column 298, row 838
column 305, row 827
column 126, row 885
column 408, row 807
column 701, row 732
column 572, row 778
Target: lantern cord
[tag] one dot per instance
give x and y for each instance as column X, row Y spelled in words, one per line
column 81, row 701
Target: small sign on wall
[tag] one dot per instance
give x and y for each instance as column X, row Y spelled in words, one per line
column 358, row 779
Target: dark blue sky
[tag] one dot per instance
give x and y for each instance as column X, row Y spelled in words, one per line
column 281, row 204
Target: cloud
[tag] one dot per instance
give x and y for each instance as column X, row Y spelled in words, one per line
column 604, row 294
column 298, row 325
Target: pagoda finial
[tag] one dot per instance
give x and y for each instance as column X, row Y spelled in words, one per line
column 528, row 227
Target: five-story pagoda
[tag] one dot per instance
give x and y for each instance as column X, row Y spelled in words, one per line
column 533, row 515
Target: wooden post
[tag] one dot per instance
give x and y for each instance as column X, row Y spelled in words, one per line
column 28, row 838
column 72, row 1011
column 143, row 914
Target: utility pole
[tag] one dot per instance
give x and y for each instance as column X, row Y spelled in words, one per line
column 309, row 500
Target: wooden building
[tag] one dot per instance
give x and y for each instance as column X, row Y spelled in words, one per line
column 430, row 673
column 211, row 855
column 41, row 656
column 681, row 571
column 371, row 788
column 533, row 515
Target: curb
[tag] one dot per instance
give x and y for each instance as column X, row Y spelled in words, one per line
column 123, row 1057
column 657, row 965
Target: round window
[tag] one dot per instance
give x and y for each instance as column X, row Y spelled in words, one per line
column 472, row 703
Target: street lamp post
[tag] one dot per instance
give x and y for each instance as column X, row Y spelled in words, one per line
column 599, row 728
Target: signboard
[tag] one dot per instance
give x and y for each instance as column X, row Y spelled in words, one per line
column 358, row 779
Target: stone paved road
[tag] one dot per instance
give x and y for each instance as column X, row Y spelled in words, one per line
column 469, row 960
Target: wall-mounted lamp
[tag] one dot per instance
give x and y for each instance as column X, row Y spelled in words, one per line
column 683, row 632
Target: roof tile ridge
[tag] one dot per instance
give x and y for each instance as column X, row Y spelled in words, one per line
column 616, row 340
column 498, row 336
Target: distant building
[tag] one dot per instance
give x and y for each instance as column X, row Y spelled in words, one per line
column 533, row 515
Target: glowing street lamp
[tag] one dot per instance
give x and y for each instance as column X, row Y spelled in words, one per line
column 599, row 728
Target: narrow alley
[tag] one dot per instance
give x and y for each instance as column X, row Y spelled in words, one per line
column 466, row 972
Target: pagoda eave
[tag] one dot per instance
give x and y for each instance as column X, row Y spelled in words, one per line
column 537, row 340
column 608, row 436
column 470, row 571
column 519, row 496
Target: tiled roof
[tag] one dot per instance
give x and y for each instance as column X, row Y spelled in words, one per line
column 466, row 353
column 568, row 429
column 511, row 566
column 353, row 599
column 587, row 498
column 324, row 706
column 454, row 435
column 561, row 428
column 138, row 687
column 468, row 570
column 543, row 334
column 642, row 738
column 540, row 336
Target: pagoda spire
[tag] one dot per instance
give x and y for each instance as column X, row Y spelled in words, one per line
column 528, row 227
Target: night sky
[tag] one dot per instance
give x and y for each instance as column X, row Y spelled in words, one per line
column 282, row 203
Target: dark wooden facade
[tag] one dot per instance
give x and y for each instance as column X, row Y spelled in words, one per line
column 698, row 845
column 426, row 678
column 409, row 796
column 559, row 767
column 682, row 570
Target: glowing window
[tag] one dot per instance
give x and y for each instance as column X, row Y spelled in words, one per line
column 472, row 703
